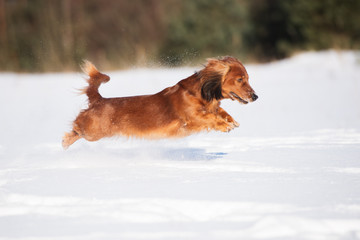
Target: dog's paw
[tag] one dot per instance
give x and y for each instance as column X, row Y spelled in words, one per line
column 235, row 124
column 229, row 128
column 222, row 127
column 229, row 120
column 225, row 127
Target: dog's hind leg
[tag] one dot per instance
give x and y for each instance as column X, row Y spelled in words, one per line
column 70, row 138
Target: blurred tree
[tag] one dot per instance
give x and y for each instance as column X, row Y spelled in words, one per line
column 203, row 27
column 3, row 32
column 328, row 23
column 271, row 32
column 45, row 35
column 278, row 28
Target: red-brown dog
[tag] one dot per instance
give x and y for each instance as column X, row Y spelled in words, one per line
column 190, row 106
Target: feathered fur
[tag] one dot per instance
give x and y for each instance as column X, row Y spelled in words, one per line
column 190, row 106
column 95, row 80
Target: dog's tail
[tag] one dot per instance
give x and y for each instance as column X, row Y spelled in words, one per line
column 95, row 80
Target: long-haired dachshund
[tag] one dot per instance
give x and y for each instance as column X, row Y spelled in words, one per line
column 190, row 106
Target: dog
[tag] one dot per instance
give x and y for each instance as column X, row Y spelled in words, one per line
column 190, row 106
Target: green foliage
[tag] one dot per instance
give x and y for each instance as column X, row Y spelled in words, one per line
column 278, row 28
column 329, row 23
column 45, row 35
column 271, row 32
column 206, row 28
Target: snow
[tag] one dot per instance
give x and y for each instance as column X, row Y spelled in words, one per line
column 290, row 171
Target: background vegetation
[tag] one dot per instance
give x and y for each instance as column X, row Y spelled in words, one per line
column 45, row 35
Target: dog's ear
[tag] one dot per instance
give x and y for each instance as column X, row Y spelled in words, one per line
column 211, row 87
column 211, row 78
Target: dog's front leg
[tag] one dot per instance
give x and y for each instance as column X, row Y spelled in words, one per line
column 223, row 114
column 214, row 121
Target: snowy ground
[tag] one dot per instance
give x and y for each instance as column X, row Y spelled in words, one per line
column 291, row 171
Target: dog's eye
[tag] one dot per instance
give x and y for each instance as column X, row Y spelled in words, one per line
column 240, row 79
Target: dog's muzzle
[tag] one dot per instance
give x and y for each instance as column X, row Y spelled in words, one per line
column 235, row 96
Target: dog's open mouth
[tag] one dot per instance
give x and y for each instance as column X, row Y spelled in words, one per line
column 235, row 96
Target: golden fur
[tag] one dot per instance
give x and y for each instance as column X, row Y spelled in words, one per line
column 190, row 106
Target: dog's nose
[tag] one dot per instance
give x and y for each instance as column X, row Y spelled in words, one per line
column 254, row 97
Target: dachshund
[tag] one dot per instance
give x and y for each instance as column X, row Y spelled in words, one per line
column 190, row 106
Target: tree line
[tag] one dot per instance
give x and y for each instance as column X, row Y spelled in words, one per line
column 46, row 35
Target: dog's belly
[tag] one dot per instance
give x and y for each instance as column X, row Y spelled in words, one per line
column 171, row 129
column 147, row 126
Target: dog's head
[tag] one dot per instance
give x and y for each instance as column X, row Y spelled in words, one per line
column 226, row 78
